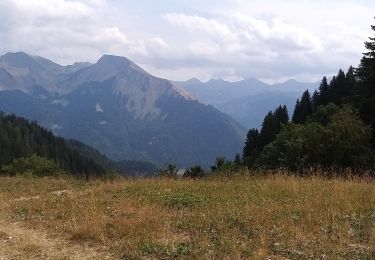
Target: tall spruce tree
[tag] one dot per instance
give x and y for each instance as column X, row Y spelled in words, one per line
column 251, row 149
column 257, row 140
column 323, row 93
column 315, row 100
column 282, row 116
column 272, row 124
column 297, row 113
column 365, row 75
column 303, row 109
column 336, row 88
column 350, row 84
column 269, row 129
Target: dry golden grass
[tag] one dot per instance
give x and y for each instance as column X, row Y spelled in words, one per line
column 244, row 217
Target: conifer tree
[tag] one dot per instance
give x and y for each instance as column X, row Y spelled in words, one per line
column 272, row 124
column 297, row 113
column 251, row 143
column 336, row 88
column 282, row 116
column 269, row 129
column 365, row 75
column 323, row 93
column 315, row 100
column 350, row 83
column 303, row 109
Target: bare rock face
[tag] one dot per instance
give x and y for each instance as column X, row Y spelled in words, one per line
column 118, row 108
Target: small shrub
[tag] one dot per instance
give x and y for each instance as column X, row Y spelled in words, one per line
column 169, row 172
column 224, row 166
column 194, row 172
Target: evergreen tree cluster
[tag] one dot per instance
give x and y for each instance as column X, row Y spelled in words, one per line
column 20, row 138
column 338, row 91
column 257, row 140
column 335, row 127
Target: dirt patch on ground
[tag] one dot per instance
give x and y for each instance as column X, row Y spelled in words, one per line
column 17, row 242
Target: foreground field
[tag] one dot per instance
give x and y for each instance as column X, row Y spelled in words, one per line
column 244, row 217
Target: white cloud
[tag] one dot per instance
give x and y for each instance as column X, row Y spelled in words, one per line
column 238, row 42
column 68, row 30
column 276, row 34
column 274, row 40
column 210, row 27
column 268, row 39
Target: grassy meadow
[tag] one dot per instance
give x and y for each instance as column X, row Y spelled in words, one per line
column 243, row 217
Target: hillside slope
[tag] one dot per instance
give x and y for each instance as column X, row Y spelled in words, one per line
column 21, row 138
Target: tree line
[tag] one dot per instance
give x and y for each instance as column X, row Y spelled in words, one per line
column 333, row 127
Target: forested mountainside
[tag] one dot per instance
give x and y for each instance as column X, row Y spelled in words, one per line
column 20, row 138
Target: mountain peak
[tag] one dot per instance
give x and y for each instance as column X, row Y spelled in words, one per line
column 291, row 81
column 17, row 54
column 76, row 66
column 193, row 81
column 21, row 60
column 113, row 58
column 17, row 59
column 118, row 63
column 215, row 81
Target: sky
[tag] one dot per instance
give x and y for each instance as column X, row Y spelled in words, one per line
column 272, row 40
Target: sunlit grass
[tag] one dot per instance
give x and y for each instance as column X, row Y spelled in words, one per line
column 241, row 217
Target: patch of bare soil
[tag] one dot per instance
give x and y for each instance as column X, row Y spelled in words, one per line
column 17, row 242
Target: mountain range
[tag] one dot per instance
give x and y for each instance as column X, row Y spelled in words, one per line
column 249, row 100
column 119, row 109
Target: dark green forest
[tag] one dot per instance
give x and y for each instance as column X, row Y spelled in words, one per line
column 25, row 145
column 20, row 138
column 334, row 127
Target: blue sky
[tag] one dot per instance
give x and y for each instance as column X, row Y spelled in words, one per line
column 231, row 39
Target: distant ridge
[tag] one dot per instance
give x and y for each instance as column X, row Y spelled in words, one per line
column 247, row 100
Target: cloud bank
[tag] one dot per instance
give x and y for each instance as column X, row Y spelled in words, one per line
column 235, row 39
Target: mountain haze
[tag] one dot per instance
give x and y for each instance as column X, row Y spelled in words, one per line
column 119, row 109
column 247, row 101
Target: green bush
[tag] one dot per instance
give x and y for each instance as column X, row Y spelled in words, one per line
column 33, row 165
column 224, row 166
column 169, row 172
column 195, row 172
